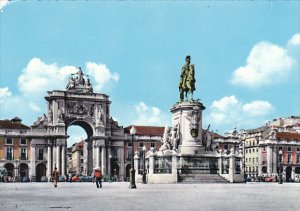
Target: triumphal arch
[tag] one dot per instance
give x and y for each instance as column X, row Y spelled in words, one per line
column 77, row 105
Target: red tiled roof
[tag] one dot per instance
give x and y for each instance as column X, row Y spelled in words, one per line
column 8, row 124
column 146, row 130
column 78, row 146
column 216, row 136
column 288, row 136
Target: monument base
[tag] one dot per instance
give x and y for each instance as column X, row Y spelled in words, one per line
column 190, row 149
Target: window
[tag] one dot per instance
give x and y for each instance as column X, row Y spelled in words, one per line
column 23, row 153
column 256, row 159
column 246, row 159
column 246, row 150
column 289, row 149
column 9, row 141
column 9, row 153
column 298, row 149
column 298, row 158
column 141, row 144
column 81, row 161
column 141, row 154
column 253, row 150
column 129, row 145
column 152, row 145
column 114, row 153
column 81, row 153
column 23, row 141
column 41, row 154
column 129, row 154
column 256, row 168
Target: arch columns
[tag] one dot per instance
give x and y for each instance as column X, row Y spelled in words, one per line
column 103, row 159
column 32, row 161
column 63, row 159
column 49, row 160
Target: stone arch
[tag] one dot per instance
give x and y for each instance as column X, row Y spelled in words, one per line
column 10, row 169
column 288, row 173
column 24, row 171
column 40, row 171
column 88, row 144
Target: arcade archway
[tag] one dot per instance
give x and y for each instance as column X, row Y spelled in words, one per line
column 23, row 170
column 10, row 169
column 40, row 171
column 86, row 155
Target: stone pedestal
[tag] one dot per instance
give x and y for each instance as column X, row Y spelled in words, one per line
column 187, row 117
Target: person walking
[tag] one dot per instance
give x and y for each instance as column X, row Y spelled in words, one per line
column 55, row 175
column 97, row 178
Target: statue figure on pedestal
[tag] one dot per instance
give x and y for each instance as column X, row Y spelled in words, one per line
column 187, row 80
column 60, row 115
column 41, row 121
column 175, row 138
column 80, row 82
column 166, row 140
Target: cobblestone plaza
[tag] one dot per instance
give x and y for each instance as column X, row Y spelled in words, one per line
column 117, row 196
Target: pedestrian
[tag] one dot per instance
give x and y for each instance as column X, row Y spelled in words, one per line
column 55, row 175
column 97, row 178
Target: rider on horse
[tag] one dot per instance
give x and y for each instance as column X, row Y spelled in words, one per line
column 187, row 79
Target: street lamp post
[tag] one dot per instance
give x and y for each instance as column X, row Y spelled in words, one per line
column 280, row 168
column 132, row 171
column 144, row 170
column 244, row 163
column 109, row 176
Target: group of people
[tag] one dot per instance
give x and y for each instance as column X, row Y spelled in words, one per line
column 97, row 177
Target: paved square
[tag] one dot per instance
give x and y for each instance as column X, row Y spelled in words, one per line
column 117, row 196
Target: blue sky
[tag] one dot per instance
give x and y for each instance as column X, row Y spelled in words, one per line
column 246, row 57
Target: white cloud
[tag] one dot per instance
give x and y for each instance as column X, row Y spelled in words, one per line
column 225, row 103
column 34, row 107
column 149, row 115
column 38, row 77
column 229, row 111
column 295, row 40
column 3, row 3
column 101, row 74
column 266, row 63
column 257, row 108
column 4, row 92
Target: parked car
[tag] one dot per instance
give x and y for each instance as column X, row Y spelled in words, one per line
column 270, row 179
column 86, row 179
column 61, row 179
column 44, row 179
column 25, row 179
column 75, row 179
